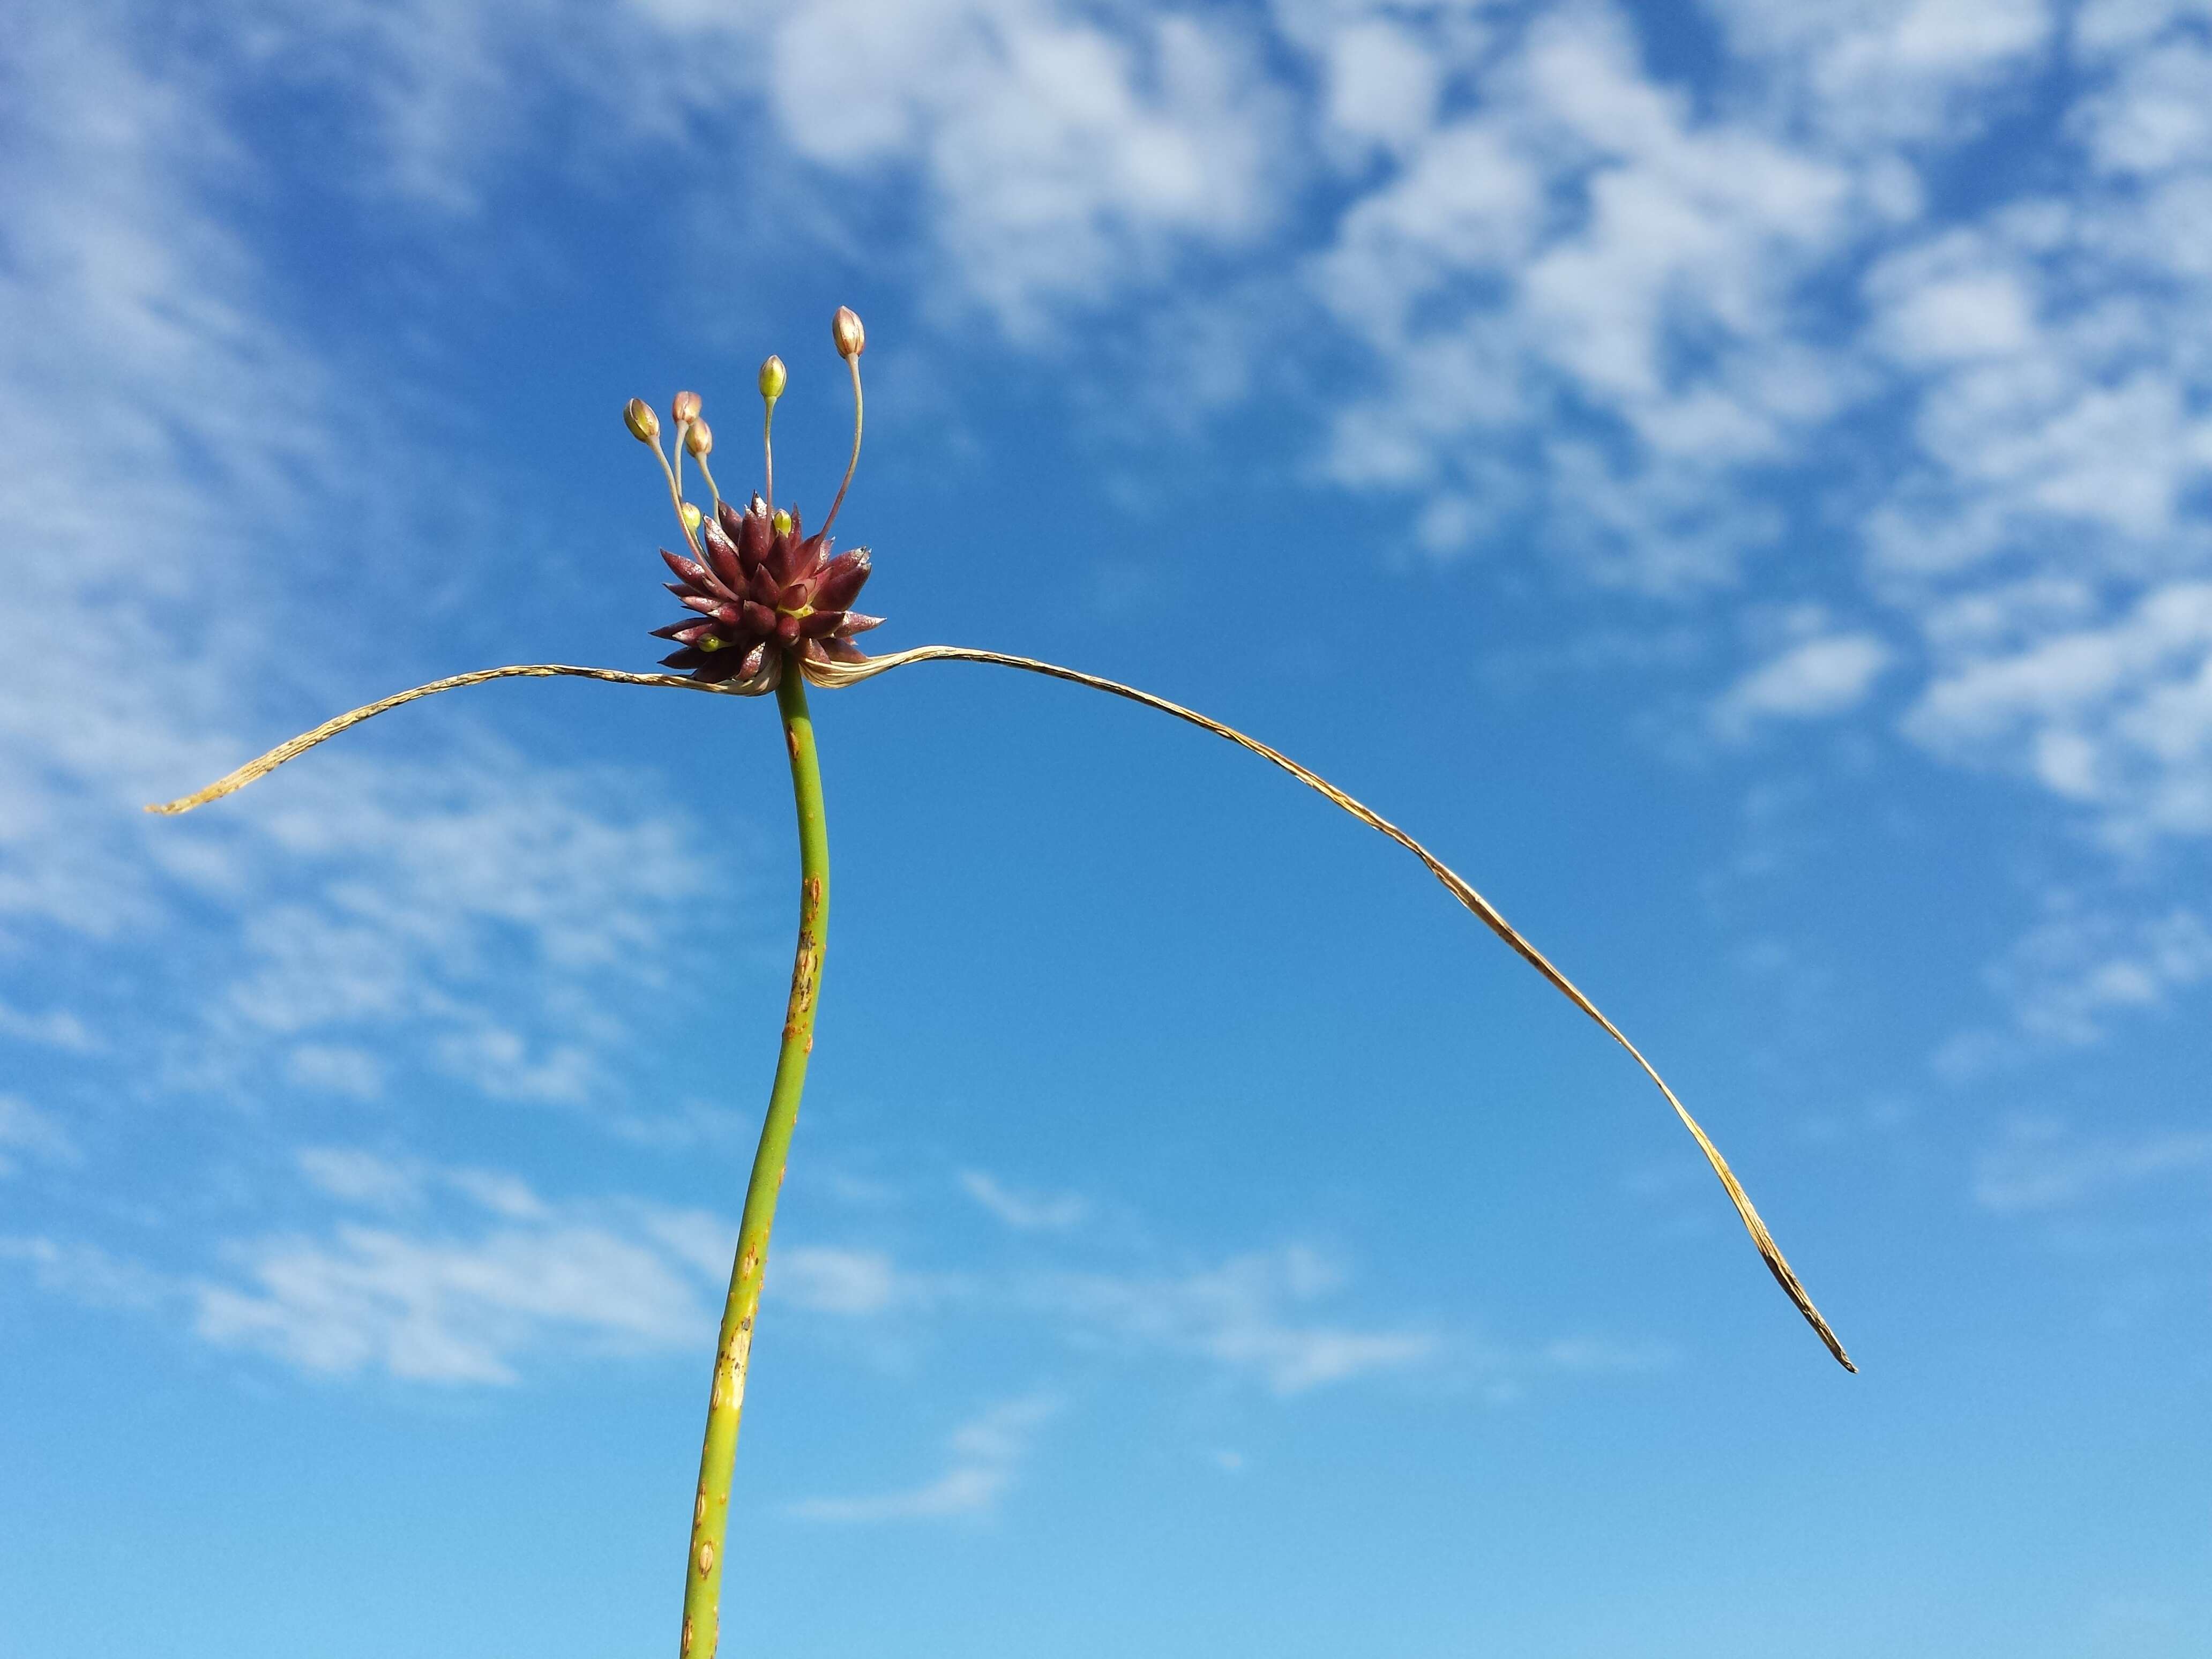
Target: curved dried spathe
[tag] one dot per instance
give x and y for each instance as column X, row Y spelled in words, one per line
column 836, row 675
column 841, row 674
column 261, row 765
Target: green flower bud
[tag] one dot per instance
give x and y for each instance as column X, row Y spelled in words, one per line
column 692, row 518
column 699, row 438
column 644, row 425
column 772, row 379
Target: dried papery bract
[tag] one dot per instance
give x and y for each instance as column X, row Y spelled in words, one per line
column 763, row 598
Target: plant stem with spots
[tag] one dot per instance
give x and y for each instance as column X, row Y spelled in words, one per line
column 710, row 1514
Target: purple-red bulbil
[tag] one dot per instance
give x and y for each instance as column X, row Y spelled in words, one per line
column 764, row 590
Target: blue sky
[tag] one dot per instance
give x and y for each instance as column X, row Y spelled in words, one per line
column 1736, row 479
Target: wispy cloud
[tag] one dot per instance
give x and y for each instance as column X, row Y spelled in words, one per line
column 2114, row 713
column 2045, row 1166
column 447, row 1311
column 986, row 1454
column 1024, row 1212
column 1246, row 1316
column 424, row 893
column 1830, row 674
column 56, row 1028
column 2073, row 976
column 27, row 1132
column 87, row 1273
column 1064, row 155
column 483, row 1272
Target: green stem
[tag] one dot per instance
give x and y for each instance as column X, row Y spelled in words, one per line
column 710, row 1514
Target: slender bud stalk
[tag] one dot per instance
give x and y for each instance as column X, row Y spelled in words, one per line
column 772, row 379
column 675, row 492
column 853, row 362
column 683, row 410
column 699, row 440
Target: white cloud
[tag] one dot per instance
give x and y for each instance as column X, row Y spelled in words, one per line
column 117, row 289
column 2069, row 978
column 1953, row 317
column 1595, row 1356
column 987, row 1453
column 823, row 1278
column 1244, row 1317
column 448, row 1309
column 1063, row 157
column 56, row 1028
column 500, row 1063
column 2152, row 115
column 335, row 1068
column 379, row 892
column 1384, row 84
column 488, row 1273
column 1024, row 1212
column 2115, row 714
column 27, row 1132
column 2070, row 975
column 1873, row 72
column 2043, row 1166
column 354, row 1177
column 1575, row 238
column 1580, row 239
column 1813, row 680
column 87, row 1274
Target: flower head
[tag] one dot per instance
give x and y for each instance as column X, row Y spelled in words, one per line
column 762, row 592
column 766, row 593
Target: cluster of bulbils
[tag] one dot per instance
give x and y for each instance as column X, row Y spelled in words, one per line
column 762, row 592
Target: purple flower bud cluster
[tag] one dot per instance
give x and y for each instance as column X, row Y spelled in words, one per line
column 766, row 592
